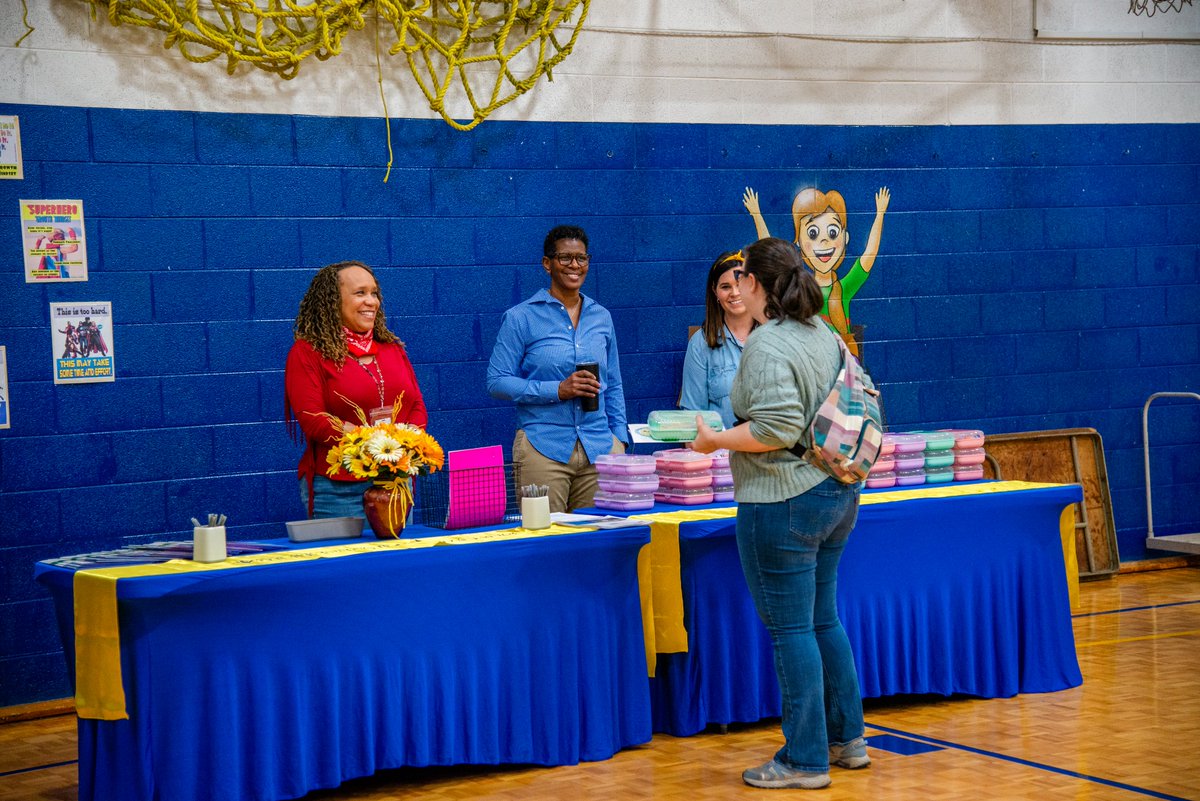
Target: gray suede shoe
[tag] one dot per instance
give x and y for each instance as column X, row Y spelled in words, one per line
column 852, row 755
column 775, row 775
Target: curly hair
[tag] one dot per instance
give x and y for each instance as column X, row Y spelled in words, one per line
column 319, row 321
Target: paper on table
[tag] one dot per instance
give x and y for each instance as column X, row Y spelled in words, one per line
column 477, row 489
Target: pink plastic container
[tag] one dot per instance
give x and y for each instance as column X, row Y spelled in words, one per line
column 685, row 497
column 646, row 483
column 965, row 438
column 672, row 479
column 623, row 501
column 881, row 480
column 969, row 456
column 908, row 443
column 624, row 464
column 888, row 446
column 682, row 460
column 723, row 495
column 884, row 464
column 971, row 472
column 910, row 461
column 911, row 477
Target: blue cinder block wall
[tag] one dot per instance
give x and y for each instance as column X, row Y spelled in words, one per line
column 1029, row 278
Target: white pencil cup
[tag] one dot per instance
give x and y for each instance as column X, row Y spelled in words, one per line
column 535, row 512
column 208, row 544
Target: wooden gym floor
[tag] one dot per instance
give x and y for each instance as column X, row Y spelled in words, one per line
column 1131, row 731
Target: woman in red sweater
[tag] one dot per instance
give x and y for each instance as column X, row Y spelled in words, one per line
column 344, row 357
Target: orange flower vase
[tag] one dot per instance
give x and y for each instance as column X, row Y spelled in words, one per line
column 385, row 505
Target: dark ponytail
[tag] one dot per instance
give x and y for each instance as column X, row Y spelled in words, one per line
column 790, row 288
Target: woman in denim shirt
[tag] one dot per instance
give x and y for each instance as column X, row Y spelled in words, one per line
column 714, row 352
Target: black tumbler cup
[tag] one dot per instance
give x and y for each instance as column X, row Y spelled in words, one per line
column 585, row 403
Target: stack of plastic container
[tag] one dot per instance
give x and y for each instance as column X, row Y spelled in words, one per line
column 722, row 477
column 883, row 472
column 909, row 458
column 969, row 454
column 685, row 477
column 627, row 482
column 939, row 457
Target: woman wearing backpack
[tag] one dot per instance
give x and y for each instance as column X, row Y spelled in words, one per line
column 793, row 519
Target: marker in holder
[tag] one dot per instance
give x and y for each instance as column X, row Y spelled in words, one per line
column 535, row 506
column 208, row 542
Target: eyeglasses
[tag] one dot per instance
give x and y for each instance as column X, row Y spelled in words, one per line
column 565, row 259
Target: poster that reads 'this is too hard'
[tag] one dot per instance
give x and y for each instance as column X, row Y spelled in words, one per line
column 83, row 342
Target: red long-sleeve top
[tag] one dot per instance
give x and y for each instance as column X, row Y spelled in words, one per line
column 313, row 384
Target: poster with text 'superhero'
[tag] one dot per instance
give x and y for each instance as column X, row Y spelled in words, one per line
column 83, row 342
column 53, row 241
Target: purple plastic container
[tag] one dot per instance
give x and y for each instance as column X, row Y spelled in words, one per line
column 644, row 484
column 623, row 501
column 910, row 477
column 624, row 464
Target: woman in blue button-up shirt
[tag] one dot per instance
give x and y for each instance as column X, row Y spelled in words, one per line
column 715, row 351
column 533, row 364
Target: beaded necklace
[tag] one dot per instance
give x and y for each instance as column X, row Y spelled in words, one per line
column 376, row 376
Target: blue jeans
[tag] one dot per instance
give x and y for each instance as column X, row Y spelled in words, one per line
column 334, row 498
column 790, row 552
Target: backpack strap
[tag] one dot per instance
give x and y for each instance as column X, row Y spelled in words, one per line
column 800, row 449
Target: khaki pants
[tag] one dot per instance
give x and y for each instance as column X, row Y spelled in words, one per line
column 572, row 485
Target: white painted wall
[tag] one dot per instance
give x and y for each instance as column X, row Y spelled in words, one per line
column 855, row 62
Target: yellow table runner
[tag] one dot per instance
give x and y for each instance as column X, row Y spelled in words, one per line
column 662, row 590
column 100, row 695
column 99, row 692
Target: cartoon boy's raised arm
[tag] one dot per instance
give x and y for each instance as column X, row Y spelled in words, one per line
column 750, row 201
column 867, row 260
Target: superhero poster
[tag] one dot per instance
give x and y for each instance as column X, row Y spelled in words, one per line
column 83, row 342
column 53, row 242
column 11, row 166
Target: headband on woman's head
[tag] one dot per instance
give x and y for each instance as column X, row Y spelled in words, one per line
column 738, row 257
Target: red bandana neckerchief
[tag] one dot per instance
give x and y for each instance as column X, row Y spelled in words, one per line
column 360, row 344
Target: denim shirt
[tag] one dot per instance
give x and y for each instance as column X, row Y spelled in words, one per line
column 535, row 350
column 708, row 375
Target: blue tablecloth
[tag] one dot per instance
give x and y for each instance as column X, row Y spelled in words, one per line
column 943, row 595
column 269, row 682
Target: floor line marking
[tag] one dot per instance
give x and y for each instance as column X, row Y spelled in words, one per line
column 1134, row 609
column 37, row 767
column 1144, row 637
column 1018, row 760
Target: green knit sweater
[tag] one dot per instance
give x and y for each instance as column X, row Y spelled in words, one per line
column 787, row 370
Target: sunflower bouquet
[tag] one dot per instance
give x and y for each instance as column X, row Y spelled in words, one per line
column 390, row 454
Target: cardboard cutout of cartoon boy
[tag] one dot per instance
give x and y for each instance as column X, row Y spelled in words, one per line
column 821, row 235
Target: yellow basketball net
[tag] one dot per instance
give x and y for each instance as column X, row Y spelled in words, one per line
column 449, row 44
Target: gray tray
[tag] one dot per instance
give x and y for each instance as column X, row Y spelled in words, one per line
column 325, row 528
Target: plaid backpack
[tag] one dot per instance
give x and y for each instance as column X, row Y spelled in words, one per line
column 846, row 432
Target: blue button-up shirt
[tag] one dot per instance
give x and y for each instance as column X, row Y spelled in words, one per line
column 708, row 375
column 536, row 349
